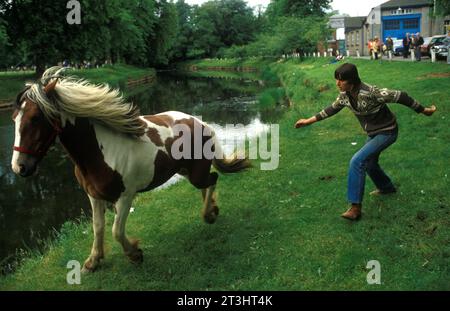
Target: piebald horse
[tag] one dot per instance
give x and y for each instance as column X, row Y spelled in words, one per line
column 116, row 152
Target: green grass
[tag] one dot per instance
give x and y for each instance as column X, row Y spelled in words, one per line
column 113, row 75
column 12, row 83
column 281, row 230
column 254, row 62
column 228, row 75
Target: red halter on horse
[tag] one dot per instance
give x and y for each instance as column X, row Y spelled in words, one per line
column 117, row 153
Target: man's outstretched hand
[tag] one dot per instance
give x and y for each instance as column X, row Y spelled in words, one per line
column 305, row 122
column 301, row 123
column 429, row 111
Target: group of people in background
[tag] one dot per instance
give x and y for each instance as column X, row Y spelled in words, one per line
column 86, row 64
column 377, row 48
column 412, row 44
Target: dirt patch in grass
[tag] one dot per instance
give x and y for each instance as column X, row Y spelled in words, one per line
column 434, row 75
column 323, row 88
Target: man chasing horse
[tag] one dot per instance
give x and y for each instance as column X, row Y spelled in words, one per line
column 369, row 104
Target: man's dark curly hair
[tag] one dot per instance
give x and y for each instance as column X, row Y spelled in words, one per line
column 348, row 72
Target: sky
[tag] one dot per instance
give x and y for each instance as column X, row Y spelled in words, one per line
column 351, row 7
column 355, row 8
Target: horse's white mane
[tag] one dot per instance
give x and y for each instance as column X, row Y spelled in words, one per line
column 78, row 98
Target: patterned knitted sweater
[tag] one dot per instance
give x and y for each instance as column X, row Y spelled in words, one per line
column 370, row 107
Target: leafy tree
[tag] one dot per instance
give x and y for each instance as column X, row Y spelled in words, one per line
column 38, row 25
column 132, row 26
column 3, row 44
column 235, row 23
column 117, row 30
column 297, row 8
column 290, row 34
column 222, row 23
column 91, row 39
column 153, row 32
column 185, row 34
column 288, row 26
column 301, row 34
column 442, row 7
column 163, row 42
column 206, row 37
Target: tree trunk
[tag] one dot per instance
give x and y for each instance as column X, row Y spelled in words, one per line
column 40, row 68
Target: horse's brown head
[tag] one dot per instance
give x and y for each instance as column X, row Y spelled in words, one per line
column 34, row 133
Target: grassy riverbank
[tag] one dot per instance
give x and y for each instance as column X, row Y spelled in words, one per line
column 280, row 229
column 12, row 83
column 251, row 63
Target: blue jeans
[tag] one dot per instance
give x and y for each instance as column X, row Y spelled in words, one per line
column 366, row 160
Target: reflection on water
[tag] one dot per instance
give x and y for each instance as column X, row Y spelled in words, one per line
column 217, row 102
column 30, row 208
column 220, row 101
column 231, row 136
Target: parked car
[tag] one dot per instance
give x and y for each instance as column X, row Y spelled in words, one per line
column 398, row 47
column 435, row 40
column 441, row 50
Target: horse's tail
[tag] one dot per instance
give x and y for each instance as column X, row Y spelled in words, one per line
column 229, row 164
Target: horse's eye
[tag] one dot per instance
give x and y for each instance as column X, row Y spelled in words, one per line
column 35, row 119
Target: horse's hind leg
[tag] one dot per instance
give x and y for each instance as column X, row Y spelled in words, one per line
column 98, row 224
column 210, row 210
column 200, row 177
column 130, row 247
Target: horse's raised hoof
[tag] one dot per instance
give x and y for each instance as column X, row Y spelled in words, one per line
column 89, row 266
column 137, row 256
column 215, row 209
column 211, row 217
column 86, row 270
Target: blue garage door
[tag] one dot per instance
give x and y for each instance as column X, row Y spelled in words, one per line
column 398, row 26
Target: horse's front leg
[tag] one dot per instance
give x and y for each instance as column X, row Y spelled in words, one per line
column 130, row 247
column 98, row 224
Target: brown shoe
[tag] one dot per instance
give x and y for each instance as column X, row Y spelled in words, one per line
column 353, row 213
